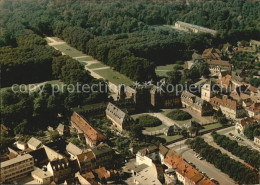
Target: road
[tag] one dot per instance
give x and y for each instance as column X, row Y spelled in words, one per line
column 245, row 142
column 202, row 165
column 209, row 139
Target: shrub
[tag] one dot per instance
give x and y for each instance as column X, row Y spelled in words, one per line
column 179, row 115
column 149, row 121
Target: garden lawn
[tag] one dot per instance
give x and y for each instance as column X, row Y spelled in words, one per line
column 68, row 50
column 87, row 58
column 96, row 65
column 151, row 129
column 211, row 127
column 170, row 139
column 114, row 77
column 165, row 67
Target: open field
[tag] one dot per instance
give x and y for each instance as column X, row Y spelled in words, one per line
column 114, row 76
column 72, row 52
column 96, row 65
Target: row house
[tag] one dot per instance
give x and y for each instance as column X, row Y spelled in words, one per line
column 85, row 130
column 98, row 156
column 185, row 173
column 230, row 108
column 60, row 169
column 195, row 103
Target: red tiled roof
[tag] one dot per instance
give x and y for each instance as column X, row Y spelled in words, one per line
column 87, row 128
column 212, row 53
column 255, row 107
column 184, row 168
column 85, row 156
column 225, row 102
column 246, row 121
column 218, row 63
column 102, row 173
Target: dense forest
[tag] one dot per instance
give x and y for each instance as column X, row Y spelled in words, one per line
column 129, row 35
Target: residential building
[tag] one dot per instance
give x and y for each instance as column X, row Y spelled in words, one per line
column 103, row 154
column 212, row 54
column 16, row 168
column 52, row 154
column 230, row 108
column 184, row 171
column 241, row 124
column 195, row 103
column 92, row 136
column 217, row 66
column 40, row 157
column 41, row 176
column 98, row 156
column 194, row 28
column 62, row 129
column 257, row 140
column 34, row 143
column 253, row 110
column 102, row 174
column 86, row 161
column 144, row 174
column 21, row 145
column 72, row 180
column 147, row 155
column 119, row 118
column 60, row 169
column 73, row 150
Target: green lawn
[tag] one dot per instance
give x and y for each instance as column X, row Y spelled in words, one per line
column 72, row 52
column 160, row 127
column 161, row 73
column 165, row 67
column 97, row 65
column 87, row 58
column 170, row 139
column 114, row 76
column 211, row 127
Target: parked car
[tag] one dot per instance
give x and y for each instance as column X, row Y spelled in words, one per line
column 231, row 134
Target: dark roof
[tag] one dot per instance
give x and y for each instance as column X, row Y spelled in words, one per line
column 60, row 164
column 117, row 114
column 163, row 149
column 101, row 149
column 40, row 156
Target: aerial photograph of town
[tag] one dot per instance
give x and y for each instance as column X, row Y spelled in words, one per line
column 130, row 92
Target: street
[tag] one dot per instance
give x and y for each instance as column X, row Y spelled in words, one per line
column 202, row 165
